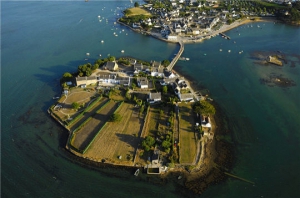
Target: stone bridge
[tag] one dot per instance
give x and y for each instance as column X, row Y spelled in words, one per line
column 175, row 59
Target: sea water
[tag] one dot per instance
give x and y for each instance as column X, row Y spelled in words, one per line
column 42, row 40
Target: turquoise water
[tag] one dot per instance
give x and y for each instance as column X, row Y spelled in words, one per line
column 42, row 40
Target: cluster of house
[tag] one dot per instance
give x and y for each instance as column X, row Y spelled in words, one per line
column 156, row 69
column 179, row 21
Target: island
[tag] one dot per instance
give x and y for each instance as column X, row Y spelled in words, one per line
column 133, row 113
column 145, row 116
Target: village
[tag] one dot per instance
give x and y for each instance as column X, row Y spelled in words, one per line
column 192, row 20
column 139, row 115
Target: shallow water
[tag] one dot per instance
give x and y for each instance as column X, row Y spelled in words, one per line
column 42, row 40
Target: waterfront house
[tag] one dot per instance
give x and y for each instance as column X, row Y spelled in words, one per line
column 169, row 80
column 86, row 80
column 112, row 79
column 137, row 67
column 185, row 96
column 111, row 65
column 205, row 122
column 172, row 37
column 157, row 69
column 154, row 97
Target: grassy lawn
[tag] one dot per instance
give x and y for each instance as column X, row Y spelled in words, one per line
column 138, row 11
column 118, row 138
column 186, row 135
column 152, row 124
column 83, row 137
column 79, row 95
column 118, row 94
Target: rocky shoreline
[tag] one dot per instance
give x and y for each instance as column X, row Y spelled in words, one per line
column 219, row 154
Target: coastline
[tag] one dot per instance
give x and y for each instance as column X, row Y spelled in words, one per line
column 217, row 157
column 201, row 37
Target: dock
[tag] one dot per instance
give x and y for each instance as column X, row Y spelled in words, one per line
column 224, row 36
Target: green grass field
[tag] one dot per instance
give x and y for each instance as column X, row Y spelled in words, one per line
column 186, row 134
column 138, row 11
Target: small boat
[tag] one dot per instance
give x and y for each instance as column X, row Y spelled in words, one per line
column 136, row 173
column 187, row 59
column 122, row 51
column 102, row 41
column 229, row 51
column 55, row 98
column 179, row 177
column 87, row 54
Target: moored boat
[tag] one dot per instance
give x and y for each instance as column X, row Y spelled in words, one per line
column 136, row 173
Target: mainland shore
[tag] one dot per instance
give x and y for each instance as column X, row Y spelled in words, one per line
column 208, row 35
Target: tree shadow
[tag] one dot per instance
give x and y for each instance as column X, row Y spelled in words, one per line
column 131, row 140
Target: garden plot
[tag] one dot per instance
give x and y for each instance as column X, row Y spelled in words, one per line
column 84, row 136
column 118, row 138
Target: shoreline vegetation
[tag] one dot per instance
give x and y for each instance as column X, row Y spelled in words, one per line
column 214, row 158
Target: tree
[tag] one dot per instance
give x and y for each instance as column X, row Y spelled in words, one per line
column 142, row 109
column 165, row 89
column 148, row 142
column 166, row 144
column 75, row 105
column 128, row 95
column 95, row 66
column 67, row 75
column 136, row 4
column 204, row 107
column 133, row 85
column 115, row 117
column 111, row 58
column 165, row 63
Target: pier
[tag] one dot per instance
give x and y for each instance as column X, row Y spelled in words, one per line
column 176, row 58
column 224, row 36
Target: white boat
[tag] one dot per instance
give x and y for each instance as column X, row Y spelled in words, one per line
column 136, row 173
column 187, row 59
column 122, row 51
column 102, row 41
column 87, row 54
column 179, row 177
